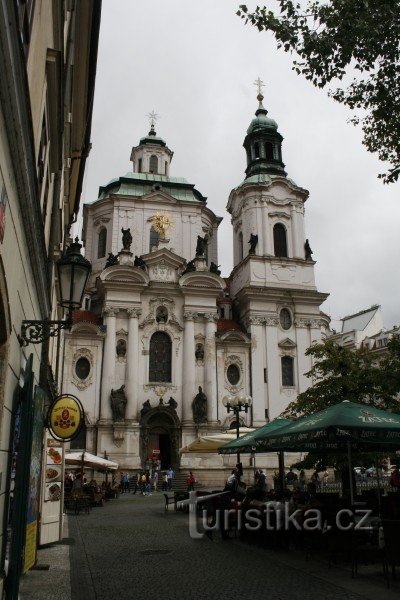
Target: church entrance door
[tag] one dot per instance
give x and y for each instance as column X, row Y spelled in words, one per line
column 160, row 445
column 160, row 432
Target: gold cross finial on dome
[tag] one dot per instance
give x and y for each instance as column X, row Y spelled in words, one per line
column 153, row 116
column 260, row 85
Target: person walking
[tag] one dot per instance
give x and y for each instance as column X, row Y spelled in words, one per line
column 190, row 481
column 127, row 482
column 170, row 475
column 302, row 481
column 155, row 480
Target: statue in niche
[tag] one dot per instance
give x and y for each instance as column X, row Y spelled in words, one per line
column 199, row 407
column 189, row 267
column 308, row 251
column 121, row 348
column 126, row 239
column 161, row 402
column 111, row 260
column 139, row 262
column 214, row 268
column 172, row 403
column 161, row 314
column 146, row 408
column 199, row 352
column 118, row 403
column 253, row 241
column 201, row 246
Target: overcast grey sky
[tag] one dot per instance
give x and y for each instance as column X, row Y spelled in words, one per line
column 194, row 63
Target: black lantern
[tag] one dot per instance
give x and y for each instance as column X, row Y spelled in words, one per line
column 73, row 271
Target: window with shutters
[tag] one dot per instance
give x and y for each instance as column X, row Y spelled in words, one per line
column 287, row 371
column 160, row 357
column 280, row 243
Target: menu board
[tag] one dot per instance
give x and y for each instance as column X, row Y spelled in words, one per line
column 53, row 472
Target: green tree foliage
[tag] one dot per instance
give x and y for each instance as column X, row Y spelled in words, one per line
column 336, row 37
column 339, row 374
column 357, row 375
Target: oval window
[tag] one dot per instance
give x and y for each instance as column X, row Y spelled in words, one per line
column 82, row 368
column 285, row 319
column 233, row 374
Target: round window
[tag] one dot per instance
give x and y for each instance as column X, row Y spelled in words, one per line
column 285, row 319
column 233, row 374
column 82, row 368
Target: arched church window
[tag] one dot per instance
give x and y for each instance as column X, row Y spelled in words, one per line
column 287, row 371
column 82, row 368
column 154, row 238
column 139, row 165
column 280, row 244
column 233, row 374
column 257, row 150
column 153, row 164
column 160, row 357
column 285, row 319
column 166, row 167
column 102, row 243
column 240, row 245
column 269, row 151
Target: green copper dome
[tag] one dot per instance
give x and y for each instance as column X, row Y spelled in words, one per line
column 261, row 121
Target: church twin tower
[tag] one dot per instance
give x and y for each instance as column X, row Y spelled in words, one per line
column 163, row 337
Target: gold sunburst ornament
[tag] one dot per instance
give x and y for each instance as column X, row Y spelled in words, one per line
column 161, row 223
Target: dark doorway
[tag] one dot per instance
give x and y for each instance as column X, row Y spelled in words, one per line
column 165, row 450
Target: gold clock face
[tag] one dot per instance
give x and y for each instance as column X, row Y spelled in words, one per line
column 161, row 223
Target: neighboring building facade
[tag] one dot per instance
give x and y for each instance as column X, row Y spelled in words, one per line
column 48, row 55
column 160, row 321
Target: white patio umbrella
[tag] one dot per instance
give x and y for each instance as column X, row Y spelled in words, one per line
column 90, row 460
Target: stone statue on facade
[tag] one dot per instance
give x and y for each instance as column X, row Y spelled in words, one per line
column 201, row 246
column 199, row 352
column 146, row 408
column 214, row 268
column 118, row 403
column 308, row 251
column 126, row 239
column 139, row 262
column 199, row 407
column 189, row 267
column 111, row 260
column 253, row 241
column 172, row 403
column 121, row 348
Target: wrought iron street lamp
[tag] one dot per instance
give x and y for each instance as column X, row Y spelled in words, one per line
column 237, row 404
column 73, row 271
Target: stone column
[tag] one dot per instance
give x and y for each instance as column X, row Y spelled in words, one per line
column 108, row 378
column 210, row 371
column 132, row 364
column 189, row 365
column 258, row 364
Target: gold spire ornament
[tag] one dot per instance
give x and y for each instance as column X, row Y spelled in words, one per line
column 161, row 222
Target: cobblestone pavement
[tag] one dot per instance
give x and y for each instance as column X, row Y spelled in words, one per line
column 130, row 549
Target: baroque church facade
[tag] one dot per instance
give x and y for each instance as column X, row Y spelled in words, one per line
column 163, row 337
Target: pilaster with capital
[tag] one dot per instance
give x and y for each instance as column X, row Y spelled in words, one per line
column 132, row 363
column 273, row 360
column 108, row 377
column 189, row 367
column 258, row 363
column 210, row 373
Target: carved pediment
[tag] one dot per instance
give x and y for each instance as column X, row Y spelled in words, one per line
column 163, row 265
column 234, row 336
column 202, row 279
column 287, row 344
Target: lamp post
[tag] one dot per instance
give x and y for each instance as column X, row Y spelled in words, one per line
column 73, row 271
column 237, row 404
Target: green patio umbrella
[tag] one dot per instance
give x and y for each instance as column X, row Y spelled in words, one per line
column 333, row 428
column 246, row 444
column 342, row 427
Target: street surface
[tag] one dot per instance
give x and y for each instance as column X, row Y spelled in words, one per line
column 131, row 549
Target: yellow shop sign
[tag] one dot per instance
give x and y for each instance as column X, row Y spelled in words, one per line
column 65, row 417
